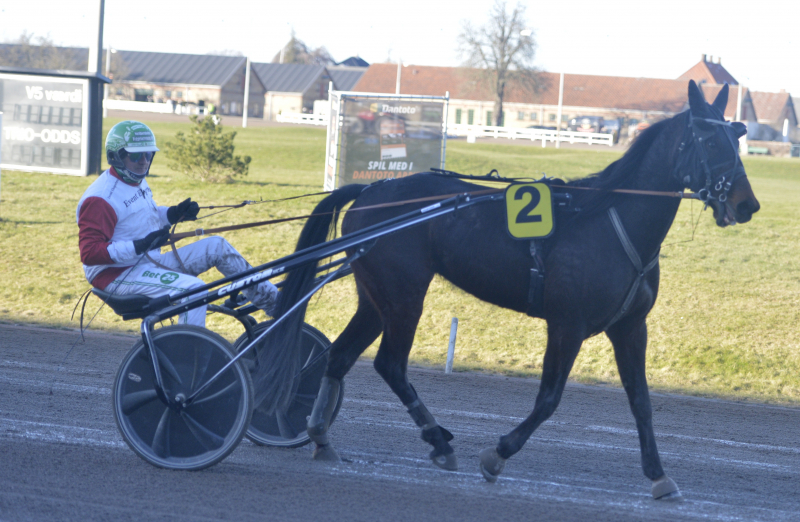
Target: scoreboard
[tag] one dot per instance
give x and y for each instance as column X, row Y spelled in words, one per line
column 45, row 124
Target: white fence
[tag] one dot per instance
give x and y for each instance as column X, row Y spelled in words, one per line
column 297, row 117
column 162, row 108
column 482, row 131
column 486, row 131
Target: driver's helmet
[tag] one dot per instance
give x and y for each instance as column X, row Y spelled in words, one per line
column 126, row 137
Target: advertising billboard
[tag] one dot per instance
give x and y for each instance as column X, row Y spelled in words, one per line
column 46, row 123
column 374, row 137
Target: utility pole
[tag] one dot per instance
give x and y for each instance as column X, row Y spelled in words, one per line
column 109, row 50
column 96, row 49
column 739, row 103
column 560, row 103
column 397, row 86
column 246, row 93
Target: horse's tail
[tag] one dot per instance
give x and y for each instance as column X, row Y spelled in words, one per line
column 274, row 377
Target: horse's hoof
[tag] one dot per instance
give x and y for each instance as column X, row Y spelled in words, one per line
column 491, row 464
column 446, row 462
column 326, row 453
column 666, row 489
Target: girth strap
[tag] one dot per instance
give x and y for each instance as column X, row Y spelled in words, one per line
column 536, row 284
column 637, row 264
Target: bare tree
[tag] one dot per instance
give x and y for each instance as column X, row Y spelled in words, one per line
column 502, row 50
column 40, row 52
column 117, row 68
column 226, row 52
column 296, row 51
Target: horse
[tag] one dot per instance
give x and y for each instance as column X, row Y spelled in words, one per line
column 600, row 265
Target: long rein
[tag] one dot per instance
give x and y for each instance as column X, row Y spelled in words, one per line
column 174, row 237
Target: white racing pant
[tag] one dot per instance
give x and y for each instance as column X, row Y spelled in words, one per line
column 152, row 280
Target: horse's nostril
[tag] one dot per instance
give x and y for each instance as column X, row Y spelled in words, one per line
column 745, row 209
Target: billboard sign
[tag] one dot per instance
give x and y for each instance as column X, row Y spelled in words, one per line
column 378, row 136
column 46, row 123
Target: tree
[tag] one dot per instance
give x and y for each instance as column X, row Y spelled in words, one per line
column 502, row 50
column 226, row 52
column 39, row 52
column 296, row 51
column 206, row 153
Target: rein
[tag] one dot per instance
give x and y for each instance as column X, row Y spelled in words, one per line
column 201, row 231
column 251, row 202
column 173, row 238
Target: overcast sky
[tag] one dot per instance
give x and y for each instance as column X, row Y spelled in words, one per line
column 757, row 41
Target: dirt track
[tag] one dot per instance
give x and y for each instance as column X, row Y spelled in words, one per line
column 61, row 457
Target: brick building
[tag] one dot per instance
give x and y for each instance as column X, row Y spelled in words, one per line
column 536, row 104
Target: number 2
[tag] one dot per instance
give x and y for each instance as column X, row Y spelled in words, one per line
column 523, row 216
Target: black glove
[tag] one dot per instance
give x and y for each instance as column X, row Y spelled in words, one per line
column 152, row 240
column 184, row 211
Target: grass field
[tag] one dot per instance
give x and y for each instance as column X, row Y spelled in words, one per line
column 726, row 323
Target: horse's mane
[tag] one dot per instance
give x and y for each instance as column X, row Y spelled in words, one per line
column 613, row 176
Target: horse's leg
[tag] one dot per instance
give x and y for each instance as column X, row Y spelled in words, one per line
column 401, row 317
column 630, row 343
column 363, row 329
column 563, row 344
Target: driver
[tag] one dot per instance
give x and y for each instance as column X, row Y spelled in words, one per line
column 121, row 230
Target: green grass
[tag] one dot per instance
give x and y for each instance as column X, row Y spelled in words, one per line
column 726, row 323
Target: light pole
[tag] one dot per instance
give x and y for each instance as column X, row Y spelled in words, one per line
column 109, row 50
column 397, row 85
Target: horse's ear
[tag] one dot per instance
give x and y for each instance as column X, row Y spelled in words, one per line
column 721, row 100
column 697, row 102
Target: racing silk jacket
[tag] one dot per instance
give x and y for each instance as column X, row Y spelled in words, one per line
column 110, row 215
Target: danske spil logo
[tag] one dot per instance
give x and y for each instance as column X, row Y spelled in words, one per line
column 169, row 278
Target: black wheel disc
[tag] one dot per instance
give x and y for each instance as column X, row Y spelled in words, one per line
column 202, row 433
column 288, row 430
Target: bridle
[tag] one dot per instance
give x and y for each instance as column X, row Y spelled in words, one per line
column 721, row 175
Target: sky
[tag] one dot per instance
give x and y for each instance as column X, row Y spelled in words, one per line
column 758, row 42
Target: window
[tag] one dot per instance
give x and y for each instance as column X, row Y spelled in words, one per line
column 142, row 94
column 489, row 118
column 520, row 115
column 564, row 118
column 458, row 116
column 168, row 93
column 534, row 116
column 551, row 117
column 470, row 117
column 179, row 94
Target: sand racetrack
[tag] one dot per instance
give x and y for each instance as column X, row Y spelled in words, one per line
column 62, row 458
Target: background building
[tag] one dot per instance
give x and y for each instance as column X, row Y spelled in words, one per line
column 193, row 79
column 630, row 100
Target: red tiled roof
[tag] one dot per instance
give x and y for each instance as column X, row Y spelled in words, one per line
column 580, row 90
column 708, row 72
column 770, row 105
column 711, row 92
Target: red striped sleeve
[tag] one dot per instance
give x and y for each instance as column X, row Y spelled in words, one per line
column 96, row 222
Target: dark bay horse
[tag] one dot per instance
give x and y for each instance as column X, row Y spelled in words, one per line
column 593, row 282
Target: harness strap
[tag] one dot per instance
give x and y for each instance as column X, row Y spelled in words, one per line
column 180, row 261
column 536, row 285
column 637, row 264
column 159, row 265
column 84, row 297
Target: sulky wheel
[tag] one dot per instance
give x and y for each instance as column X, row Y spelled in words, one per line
column 288, row 430
column 203, row 432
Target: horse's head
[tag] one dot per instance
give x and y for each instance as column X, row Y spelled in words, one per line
column 716, row 173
